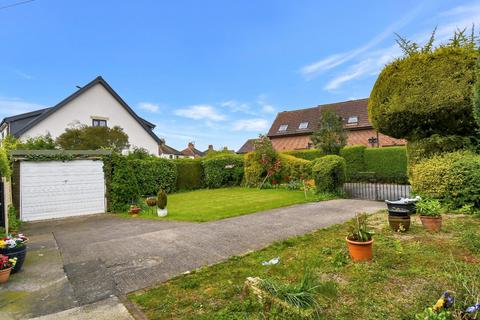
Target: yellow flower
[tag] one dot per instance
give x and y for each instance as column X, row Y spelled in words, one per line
column 439, row 304
column 3, row 244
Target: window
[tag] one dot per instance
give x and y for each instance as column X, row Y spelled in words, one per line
column 352, row 120
column 303, row 125
column 99, row 123
column 283, row 127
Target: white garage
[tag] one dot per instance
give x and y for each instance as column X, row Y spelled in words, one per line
column 59, row 189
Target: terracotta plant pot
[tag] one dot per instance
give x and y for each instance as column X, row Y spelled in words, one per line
column 433, row 224
column 5, row 275
column 399, row 223
column 360, row 251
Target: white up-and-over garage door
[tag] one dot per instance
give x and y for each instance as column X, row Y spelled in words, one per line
column 56, row 189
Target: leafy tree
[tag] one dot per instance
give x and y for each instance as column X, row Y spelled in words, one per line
column 266, row 158
column 330, row 136
column 427, row 91
column 82, row 137
column 45, row 142
column 139, row 153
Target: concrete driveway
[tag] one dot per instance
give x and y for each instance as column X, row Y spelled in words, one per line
column 105, row 256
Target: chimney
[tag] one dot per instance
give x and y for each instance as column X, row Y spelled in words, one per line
column 191, row 145
column 210, row 147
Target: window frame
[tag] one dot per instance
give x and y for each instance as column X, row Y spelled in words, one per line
column 352, row 122
column 97, row 122
column 283, row 127
column 306, row 123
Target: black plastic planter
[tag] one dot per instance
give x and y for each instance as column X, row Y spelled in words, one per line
column 19, row 252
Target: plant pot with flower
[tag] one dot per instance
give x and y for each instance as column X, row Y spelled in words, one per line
column 430, row 211
column 359, row 239
column 134, row 210
column 14, row 246
column 162, row 203
column 6, row 266
column 152, row 201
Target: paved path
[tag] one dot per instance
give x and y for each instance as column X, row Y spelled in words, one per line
column 107, row 256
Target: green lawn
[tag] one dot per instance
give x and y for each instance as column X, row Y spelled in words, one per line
column 214, row 204
column 409, row 272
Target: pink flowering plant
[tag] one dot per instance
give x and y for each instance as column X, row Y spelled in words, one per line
column 6, row 262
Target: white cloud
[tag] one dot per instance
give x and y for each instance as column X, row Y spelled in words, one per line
column 199, row 112
column 22, row 74
column 235, row 106
column 250, row 125
column 149, row 106
column 10, row 106
column 264, row 105
column 330, row 62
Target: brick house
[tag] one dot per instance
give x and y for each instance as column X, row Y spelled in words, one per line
column 291, row 130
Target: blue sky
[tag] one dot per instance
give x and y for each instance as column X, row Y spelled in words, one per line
column 213, row 72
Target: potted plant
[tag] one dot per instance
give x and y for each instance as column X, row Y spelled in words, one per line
column 14, row 246
column 6, row 265
column 399, row 212
column 430, row 211
column 162, row 203
column 134, row 210
column 151, row 201
column 359, row 239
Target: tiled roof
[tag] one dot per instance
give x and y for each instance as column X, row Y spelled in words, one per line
column 247, row 147
column 164, row 149
column 192, row 152
column 346, row 109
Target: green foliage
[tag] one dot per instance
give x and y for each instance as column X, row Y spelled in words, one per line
column 426, row 93
column 124, row 185
column 140, row 154
column 5, row 170
column 389, row 164
column 311, row 154
column 471, row 240
column 429, row 207
column 452, row 177
column 329, row 173
column 358, row 230
column 294, row 169
column 223, row 171
column 45, row 142
column 253, row 171
column 14, row 224
column 218, row 153
column 429, row 314
column 154, row 174
column 476, row 94
column 303, row 294
column 189, row 174
column 354, row 157
column 84, row 137
column 422, row 149
column 161, row 199
column 330, row 137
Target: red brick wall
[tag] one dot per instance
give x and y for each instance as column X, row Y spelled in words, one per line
column 354, row 137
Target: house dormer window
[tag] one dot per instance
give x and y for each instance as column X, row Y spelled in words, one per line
column 352, row 120
column 283, row 127
column 99, row 122
column 303, row 125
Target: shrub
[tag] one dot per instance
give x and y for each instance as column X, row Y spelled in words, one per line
column 292, row 168
column 354, row 157
column 124, row 186
column 189, row 174
column 311, row 154
column 451, row 177
column 429, row 207
column 426, row 93
column 389, row 164
column 154, row 174
column 253, row 171
column 4, row 164
column 161, row 199
column 422, row 149
column 223, row 171
column 329, row 173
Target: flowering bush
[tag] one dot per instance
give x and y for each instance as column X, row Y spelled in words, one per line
column 6, row 263
column 13, row 240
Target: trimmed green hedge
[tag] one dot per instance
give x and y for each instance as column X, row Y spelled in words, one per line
column 4, row 164
column 223, row 171
column 451, row 177
column 311, row 154
column 329, row 173
column 155, row 174
column 189, row 174
column 389, row 164
column 253, row 171
column 355, row 160
column 124, row 186
column 293, row 168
